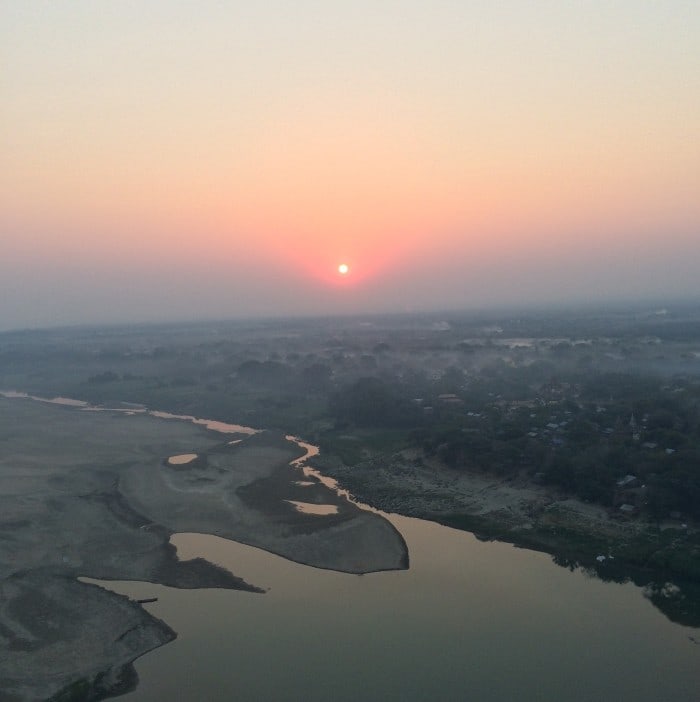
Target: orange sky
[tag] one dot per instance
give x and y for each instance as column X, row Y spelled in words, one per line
column 261, row 147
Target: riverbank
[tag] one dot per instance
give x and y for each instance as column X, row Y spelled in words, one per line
column 533, row 516
column 93, row 494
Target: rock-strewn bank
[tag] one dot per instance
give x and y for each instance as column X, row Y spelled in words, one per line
column 516, row 511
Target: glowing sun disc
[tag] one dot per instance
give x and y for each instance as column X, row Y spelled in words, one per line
column 343, row 269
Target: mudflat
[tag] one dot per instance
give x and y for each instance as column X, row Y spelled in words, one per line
column 92, row 494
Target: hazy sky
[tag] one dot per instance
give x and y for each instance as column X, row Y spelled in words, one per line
column 166, row 160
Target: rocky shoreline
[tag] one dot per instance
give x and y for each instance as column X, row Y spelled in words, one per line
column 528, row 515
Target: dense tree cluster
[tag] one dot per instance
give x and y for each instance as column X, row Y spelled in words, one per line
column 582, row 433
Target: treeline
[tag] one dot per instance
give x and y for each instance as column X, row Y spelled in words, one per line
column 585, row 436
column 371, row 402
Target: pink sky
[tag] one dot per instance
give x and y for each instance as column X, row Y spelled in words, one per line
column 197, row 160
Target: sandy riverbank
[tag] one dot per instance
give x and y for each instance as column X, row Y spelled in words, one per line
column 92, row 494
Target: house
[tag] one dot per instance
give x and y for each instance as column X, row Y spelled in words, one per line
column 634, row 428
column 449, row 399
column 627, row 482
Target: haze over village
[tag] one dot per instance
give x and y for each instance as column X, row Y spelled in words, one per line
column 350, row 351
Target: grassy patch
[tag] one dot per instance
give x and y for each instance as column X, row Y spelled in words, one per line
column 359, row 445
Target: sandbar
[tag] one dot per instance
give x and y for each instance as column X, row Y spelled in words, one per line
column 91, row 494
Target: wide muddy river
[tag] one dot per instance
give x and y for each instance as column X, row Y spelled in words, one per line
column 468, row 620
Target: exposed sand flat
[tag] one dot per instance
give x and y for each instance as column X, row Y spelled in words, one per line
column 92, row 494
column 244, row 492
column 53, row 625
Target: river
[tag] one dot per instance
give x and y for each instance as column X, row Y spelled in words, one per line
column 469, row 620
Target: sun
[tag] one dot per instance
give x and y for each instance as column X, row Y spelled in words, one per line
column 343, row 269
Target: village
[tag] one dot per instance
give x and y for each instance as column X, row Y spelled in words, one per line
column 430, row 415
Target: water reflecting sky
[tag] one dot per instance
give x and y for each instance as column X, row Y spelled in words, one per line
column 468, row 620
